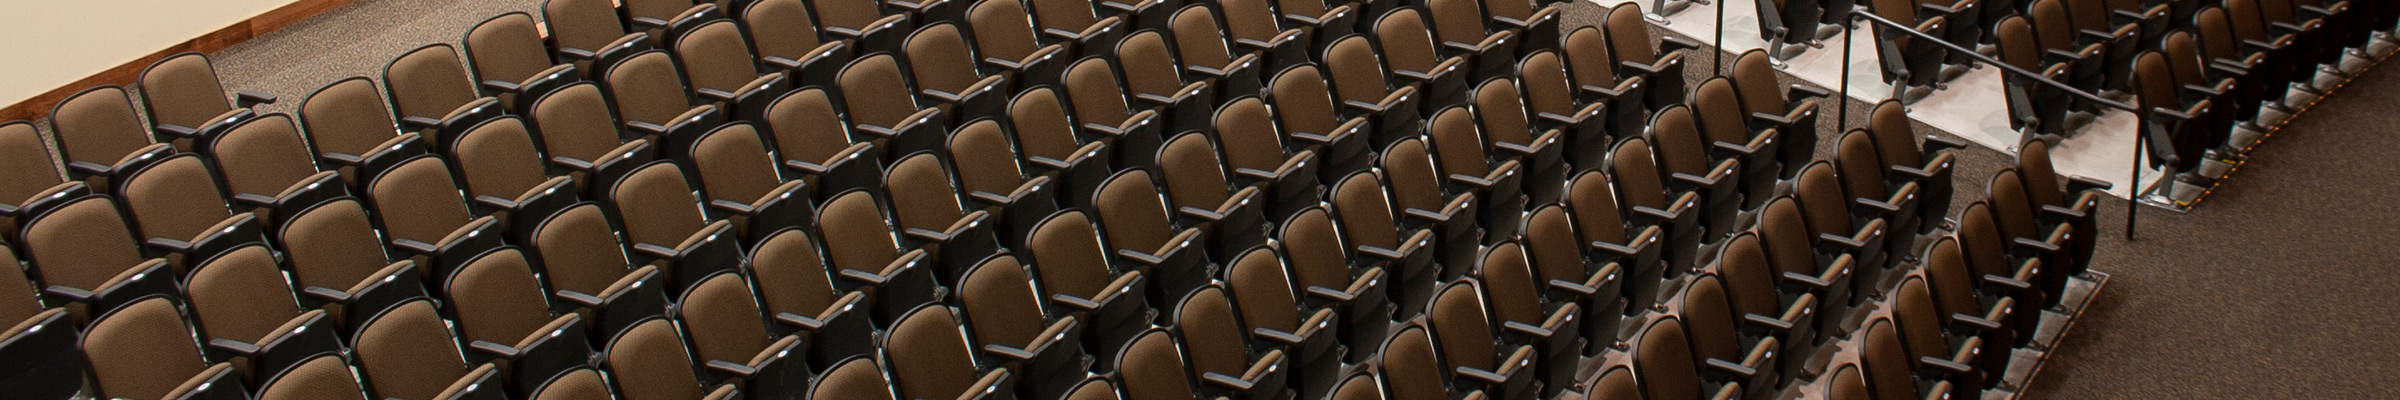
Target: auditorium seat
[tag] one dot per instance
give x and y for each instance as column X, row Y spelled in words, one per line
column 1605, row 228
column 1500, row 115
column 1194, row 179
column 926, row 207
column 42, row 342
column 2263, row 84
column 1615, row 383
column 419, row 208
column 853, row 378
column 327, row 376
column 718, row 62
column 720, row 315
column 741, row 184
column 815, row 145
column 1415, row 188
column 1936, row 349
column 1552, row 100
column 652, row 98
column 1143, row 236
column 1304, row 106
column 1073, row 270
column 32, row 182
column 2001, row 272
column 1409, row 50
column 101, row 139
column 1412, row 369
column 2061, row 46
column 504, row 316
column 2028, row 233
column 930, row 358
column 1747, row 156
column 1682, row 192
column 178, row 210
column 580, row 132
column 1260, row 283
column 2070, row 199
column 862, row 24
column 667, row 19
column 1203, row 47
column 1791, row 27
column 1219, row 353
column 348, row 125
column 665, row 226
column 1767, row 302
column 1360, row 82
column 1562, row 274
column 509, row 63
column 591, row 34
column 786, row 37
column 1255, row 26
column 990, row 180
column 866, row 257
column 2035, row 109
column 185, row 100
column 1003, row 312
column 146, row 351
column 1668, row 368
column 1537, row 22
column 88, row 260
column 1497, row 181
column 1050, row 142
column 589, row 271
column 1874, row 194
column 1735, row 346
column 650, row 362
column 1661, row 65
column 1152, row 367
column 1154, row 78
column 1966, row 29
column 1823, row 269
column 1599, row 81
column 1459, row 26
column 1357, row 289
column 1968, row 308
column 1096, row 96
column 1323, row 20
column 1365, row 211
column 898, row 124
column 1500, row 363
column 1079, row 25
column 1258, row 154
column 1832, row 220
column 1514, row 299
column 339, row 264
column 244, row 306
column 945, row 69
column 408, row 351
column 1007, row 39
column 1790, row 108
column 1912, row 69
column 1923, row 159
column 505, row 175
column 797, row 294
column 1890, row 373
column 431, row 94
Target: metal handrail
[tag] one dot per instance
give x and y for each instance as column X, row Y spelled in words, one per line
column 2142, row 138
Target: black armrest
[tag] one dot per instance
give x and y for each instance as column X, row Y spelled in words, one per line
column 167, row 245
column 1124, row 284
column 2062, row 211
column 1729, row 368
column 731, row 369
column 326, row 294
column 1766, row 323
column 225, row 349
column 2036, row 245
column 496, row 350
column 1810, row 281
column 248, row 99
column 892, row 271
column 1526, row 329
column 415, row 247
column 1943, row 366
column 1973, row 322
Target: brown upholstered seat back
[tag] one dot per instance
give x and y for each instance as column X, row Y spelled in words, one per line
column 1002, row 29
column 1001, row 304
column 240, row 295
column 1510, row 285
column 418, row 200
column 1415, row 182
column 407, row 352
column 781, row 28
column 576, row 121
column 81, row 244
column 929, row 358
column 1150, row 64
column 648, row 361
column 806, row 125
column 1067, row 254
column 1405, row 42
column 1358, row 73
column 855, row 378
column 141, row 351
column 1411, row 367
column 1260, row 283
column 1636, row 173
column 939, row 58
column 1460, row 327
column 582, row 248
column 717, row 56
column 857, row 234
column 1132, row 213
column 583, row 24
column 1663, row 355
column 1207, row 320
column 1593, row 200
column 176, row 198
column 498, row 159
column 1194, row 176
column 98, row 126
column 1247, row 134
column 1093, row 87
column 648, row 87
column 1152, row 368
column 791, row 274
column 1303, row 102
column 508, row 47
column 1197, row 37
column 1366, row 214
column 1711, row 320
column 877, row 74
column 496, row 298
column 429, row 81
column 183, row 89
column 1319, row 256
column 1587, row 53
column 923, row 194
column 984, row 159
column 1042, row 125
column 323, row 377
column 722, row 317
column 332, row 245
column 733, row 164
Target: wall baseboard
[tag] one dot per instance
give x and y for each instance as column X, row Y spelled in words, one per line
column 124, row 74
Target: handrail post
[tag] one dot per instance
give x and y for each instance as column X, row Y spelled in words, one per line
column 1848, row 16
column 1716, row 56
column 2133, row 194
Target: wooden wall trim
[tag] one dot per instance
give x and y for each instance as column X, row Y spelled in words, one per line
column 124, row 74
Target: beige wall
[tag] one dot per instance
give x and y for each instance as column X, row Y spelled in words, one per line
column 53, row 43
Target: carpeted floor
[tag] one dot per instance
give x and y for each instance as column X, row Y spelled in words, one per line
column 2268, row 290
